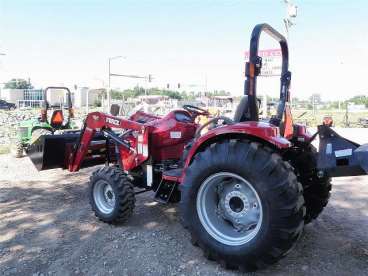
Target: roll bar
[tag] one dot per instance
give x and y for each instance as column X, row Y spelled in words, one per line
column 253, row 69
column 69, row 95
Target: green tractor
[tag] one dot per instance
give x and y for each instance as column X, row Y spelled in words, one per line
column 28, row 131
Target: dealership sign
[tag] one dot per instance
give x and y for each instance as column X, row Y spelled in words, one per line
column 271, row 62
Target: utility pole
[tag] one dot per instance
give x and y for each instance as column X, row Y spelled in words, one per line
column 148, row 77
column 2, row 54
column 291, row 13
column 205, row 84
column 109, row 87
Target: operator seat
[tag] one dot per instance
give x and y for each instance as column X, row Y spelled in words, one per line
column 242, row 110
column 241, row 115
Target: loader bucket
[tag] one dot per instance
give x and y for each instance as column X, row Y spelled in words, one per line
column 362, row 156
column 338, row 156
column 53, row 151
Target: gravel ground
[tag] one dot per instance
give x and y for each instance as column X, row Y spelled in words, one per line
column 47, row 228
column 9, row 121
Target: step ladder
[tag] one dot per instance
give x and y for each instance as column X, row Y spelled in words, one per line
column 170, row 180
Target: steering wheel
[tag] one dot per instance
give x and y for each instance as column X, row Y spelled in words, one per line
column 195, row 110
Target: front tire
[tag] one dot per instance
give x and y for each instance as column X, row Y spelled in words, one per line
column 257, row 216
column 111, row 195
column 18, row 149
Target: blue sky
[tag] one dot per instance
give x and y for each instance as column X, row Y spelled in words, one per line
column 68, row 42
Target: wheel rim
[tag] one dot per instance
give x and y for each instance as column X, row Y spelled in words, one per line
column 104, row 196
column 229, row 208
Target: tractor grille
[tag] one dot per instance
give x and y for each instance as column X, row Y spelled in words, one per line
column 23, row 131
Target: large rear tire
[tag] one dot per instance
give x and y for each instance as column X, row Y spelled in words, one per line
column 111, row 195
column 317, row 190
column 242, row 204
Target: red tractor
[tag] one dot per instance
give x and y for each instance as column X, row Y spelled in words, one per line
column 246, row 187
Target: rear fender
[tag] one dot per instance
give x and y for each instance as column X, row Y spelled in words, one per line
column 41, row 125
column 27, row 123
column 28, row 126
column 259, row 131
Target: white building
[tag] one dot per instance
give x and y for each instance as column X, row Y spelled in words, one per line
column 79, row 96
column 35, row 97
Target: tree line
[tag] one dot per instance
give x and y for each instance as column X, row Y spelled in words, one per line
column 314, row 99
column 173, row 94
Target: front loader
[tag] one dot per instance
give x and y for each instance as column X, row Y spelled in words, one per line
column 246, row 187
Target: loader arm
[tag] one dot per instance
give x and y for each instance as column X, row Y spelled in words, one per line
column 98, row 121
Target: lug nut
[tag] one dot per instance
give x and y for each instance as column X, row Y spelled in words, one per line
column 320, row 174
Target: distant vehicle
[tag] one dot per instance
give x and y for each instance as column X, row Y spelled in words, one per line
column 7, row 106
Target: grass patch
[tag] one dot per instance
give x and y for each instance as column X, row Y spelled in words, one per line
column 313, row 119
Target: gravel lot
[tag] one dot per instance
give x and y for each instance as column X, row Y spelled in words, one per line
column 47, row 228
